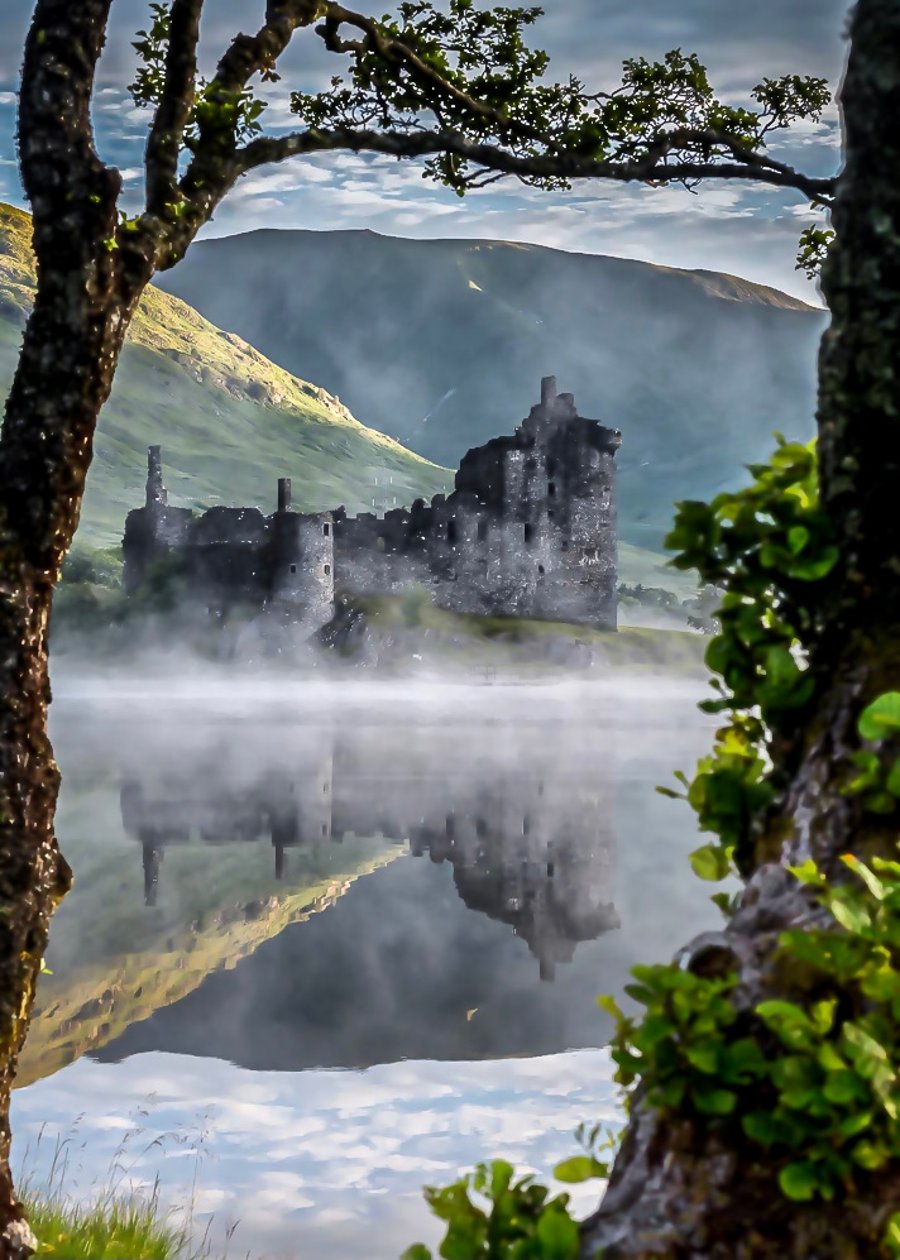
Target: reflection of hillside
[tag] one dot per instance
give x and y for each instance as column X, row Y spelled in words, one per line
column 535, row 854
column 114, row 962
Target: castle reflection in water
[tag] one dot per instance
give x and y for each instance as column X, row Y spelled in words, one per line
column 529, row 846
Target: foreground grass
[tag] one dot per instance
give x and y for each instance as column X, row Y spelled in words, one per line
column 128, row 1228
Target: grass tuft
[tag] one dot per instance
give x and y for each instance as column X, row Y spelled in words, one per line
column 128, row 1227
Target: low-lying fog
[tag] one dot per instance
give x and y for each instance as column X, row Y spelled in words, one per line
column 289, row 876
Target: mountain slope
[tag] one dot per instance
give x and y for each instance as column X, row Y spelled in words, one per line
column 229, row 421
column 441, row 344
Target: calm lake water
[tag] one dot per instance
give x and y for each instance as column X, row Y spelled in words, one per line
column 331, row 941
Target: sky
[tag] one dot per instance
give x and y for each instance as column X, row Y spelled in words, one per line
column 748, row 231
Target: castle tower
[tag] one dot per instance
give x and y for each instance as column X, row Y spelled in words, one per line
column 157, row 495
column 302, row 561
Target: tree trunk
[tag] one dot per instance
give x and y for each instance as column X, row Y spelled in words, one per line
column 88, row 287
column 33, row 874
column 684, row 1189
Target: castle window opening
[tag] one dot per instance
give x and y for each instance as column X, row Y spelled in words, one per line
column 327, row 569
column 326, row 530
column 293, row 568
column 551, row 488
column 528, row 533
column 541, row 570
column 482, row 530
column 451, row 531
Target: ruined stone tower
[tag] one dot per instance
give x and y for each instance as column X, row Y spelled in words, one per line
column 229, row 556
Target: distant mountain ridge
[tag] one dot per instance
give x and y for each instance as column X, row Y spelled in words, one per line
column 441, row 344
column 230, row 422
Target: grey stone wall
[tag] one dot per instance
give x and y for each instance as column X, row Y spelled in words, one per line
column 529, row 531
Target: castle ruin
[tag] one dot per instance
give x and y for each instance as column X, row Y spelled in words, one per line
column 529, row 531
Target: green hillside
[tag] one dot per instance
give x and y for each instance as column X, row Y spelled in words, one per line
column 442, row 343
column 229, row 421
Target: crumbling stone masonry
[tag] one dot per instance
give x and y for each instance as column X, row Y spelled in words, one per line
column 529, row 531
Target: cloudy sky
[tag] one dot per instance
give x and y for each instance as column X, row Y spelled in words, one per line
column 750, row 232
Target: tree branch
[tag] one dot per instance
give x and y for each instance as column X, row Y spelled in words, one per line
column 395, row 52
column 166, row 138
column 212, row 170
column 60, row 168
column 250, row 54
column 653, row 169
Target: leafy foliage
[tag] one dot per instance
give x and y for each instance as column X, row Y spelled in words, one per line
column 770, row 548
column 813, row 1082
column 470, row 70
column 236, row 114
column 815, row 243
column 492, row 1214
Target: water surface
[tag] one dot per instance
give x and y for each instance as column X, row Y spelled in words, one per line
column 345, row 938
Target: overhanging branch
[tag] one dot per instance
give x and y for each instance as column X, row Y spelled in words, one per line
column 659, row 166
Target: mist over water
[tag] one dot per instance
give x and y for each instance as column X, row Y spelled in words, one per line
column 422, row 883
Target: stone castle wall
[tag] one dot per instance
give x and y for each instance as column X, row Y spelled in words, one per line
column 529, row 531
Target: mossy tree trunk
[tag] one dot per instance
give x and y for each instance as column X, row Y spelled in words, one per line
column 86, row 294
column 681, row 1188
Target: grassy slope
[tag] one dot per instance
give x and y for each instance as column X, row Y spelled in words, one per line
column 229, row 421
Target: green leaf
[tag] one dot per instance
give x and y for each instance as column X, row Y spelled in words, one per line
column 577, row 1169
column 703, row 1057
column 711, row 862
column 881, row 717
column 501, row 1175
column 762, row 1127
column 808, row 873
column 798, row 1181
column 870, row 1155
column 558, row 1236
column 714, row 1102
column 892, row 783
column 418, row 1251
column 822, row 1015
column 855, row 919
column 844, row 1087
column 869, row 878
